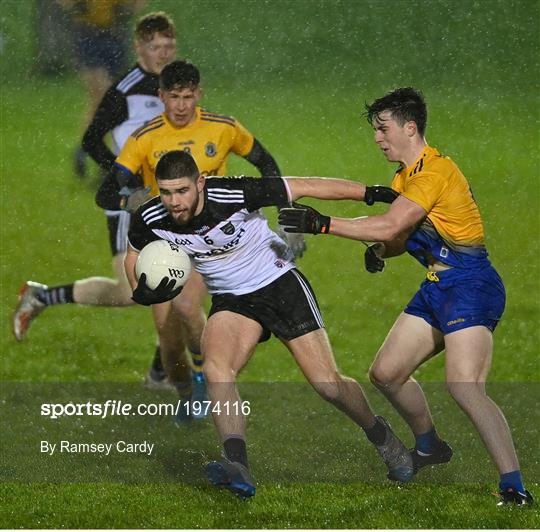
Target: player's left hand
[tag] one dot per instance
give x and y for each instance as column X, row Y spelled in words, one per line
column 144, row 295
column 379, row 193
column 303, row 219
column 372, row 259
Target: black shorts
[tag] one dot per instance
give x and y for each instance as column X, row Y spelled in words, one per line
column 286, row 307
column 118, row 225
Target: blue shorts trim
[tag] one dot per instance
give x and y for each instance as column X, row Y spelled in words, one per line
column 456, row 299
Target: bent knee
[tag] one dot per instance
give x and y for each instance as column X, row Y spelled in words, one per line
column 216, row 371
column 382, row 377
column 186, row 307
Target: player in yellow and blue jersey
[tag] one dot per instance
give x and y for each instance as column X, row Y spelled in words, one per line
column 209, row 138
column 433, row 217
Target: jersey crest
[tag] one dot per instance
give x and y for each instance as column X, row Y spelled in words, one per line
column 210, row 149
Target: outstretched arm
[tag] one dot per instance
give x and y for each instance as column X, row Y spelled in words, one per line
column 330, row 188
column 262, row 159
column 327, row 188
column 401, row 217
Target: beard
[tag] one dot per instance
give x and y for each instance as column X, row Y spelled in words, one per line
column 184, row 216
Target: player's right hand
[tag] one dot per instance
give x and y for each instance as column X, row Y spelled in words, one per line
column 144, row 295
column 372, row 261
column 134, row 198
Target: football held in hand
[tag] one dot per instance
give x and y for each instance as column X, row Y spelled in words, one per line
column 161, row 259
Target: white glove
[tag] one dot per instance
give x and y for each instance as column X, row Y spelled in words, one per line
column 295, row 241
column 135, row 198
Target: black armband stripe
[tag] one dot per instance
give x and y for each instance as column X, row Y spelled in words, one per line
column 232, row 124
column 155, row 120
column 147, row 130
column 209, row 114
column 158, row 120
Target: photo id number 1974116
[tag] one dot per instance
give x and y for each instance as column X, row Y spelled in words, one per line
column 235, row 408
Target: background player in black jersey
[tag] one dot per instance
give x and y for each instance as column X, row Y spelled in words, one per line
column 256, row 291
column 128, row 104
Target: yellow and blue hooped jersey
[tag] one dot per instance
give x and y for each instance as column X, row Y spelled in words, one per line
column 452, row 232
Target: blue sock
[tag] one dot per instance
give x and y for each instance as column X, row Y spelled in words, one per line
column 426, row 443
column 512, row 480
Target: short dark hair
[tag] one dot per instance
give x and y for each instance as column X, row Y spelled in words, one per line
column 405, row 105
column 152, row 23
column 179, row 75
column 176, row 164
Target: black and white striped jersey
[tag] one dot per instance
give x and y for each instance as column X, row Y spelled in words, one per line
column 128, row 104
column 229, row 242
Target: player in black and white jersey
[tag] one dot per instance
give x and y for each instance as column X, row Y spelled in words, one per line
column 127, row 105
column 256, row 291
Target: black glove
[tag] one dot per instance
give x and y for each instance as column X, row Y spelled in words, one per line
column 372, row 261
column 144, row 295
column 125, row 178
column 380, row 194
column 303, row 219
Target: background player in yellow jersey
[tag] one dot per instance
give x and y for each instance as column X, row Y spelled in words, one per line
column 210, row 138
column 435, row 218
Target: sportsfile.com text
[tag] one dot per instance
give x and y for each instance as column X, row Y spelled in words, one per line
column 113, row 407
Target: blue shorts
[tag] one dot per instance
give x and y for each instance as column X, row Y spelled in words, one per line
column 456, row 299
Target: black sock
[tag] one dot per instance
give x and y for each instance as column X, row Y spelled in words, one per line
column 156, row 363
column 235, row 449
column 427, row 443
column 377, row 433
column 57, row 295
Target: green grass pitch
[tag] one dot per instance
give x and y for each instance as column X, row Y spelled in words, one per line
column 297, row 74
